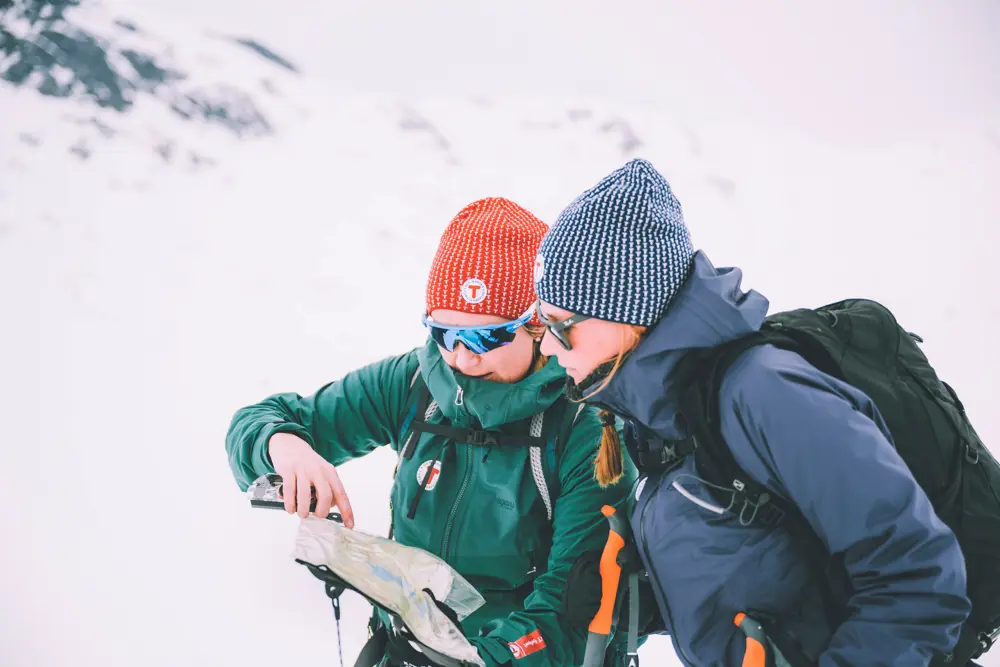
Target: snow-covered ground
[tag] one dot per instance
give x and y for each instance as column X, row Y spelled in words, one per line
column 181, row 270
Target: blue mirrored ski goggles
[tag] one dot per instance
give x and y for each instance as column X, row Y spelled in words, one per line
column 478, row 340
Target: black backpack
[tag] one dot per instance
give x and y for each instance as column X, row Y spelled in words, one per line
column 860, row 342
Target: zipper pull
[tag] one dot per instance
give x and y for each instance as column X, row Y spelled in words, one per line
column 459, row 397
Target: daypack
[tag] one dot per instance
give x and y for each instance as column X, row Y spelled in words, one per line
column 859, row 342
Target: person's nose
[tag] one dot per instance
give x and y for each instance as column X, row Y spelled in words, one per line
column 550, row 346
column 465, row 361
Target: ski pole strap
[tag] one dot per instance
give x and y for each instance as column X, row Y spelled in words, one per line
column 334, row 588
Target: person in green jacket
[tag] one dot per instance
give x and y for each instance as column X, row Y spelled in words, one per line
column 496, row 465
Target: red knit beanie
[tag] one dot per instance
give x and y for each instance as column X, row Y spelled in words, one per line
column 486, row 259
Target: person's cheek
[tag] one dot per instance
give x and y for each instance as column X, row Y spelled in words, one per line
column 448, row 357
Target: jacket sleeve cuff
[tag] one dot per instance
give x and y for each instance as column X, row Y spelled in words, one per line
column 493, row 651
column 260, row 459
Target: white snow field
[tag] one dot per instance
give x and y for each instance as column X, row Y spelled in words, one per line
column 158, row 273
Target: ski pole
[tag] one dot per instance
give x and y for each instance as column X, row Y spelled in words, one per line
column 756, row 651
column 600, row 627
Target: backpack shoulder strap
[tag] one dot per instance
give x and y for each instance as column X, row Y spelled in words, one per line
column 545, row 427
column 751, row 501
column 539, row 471
column 421, row 411
column 407, row 436
column 700, row 409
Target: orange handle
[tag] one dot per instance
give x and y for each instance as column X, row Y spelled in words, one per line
column 755, row 654
column 611, row 574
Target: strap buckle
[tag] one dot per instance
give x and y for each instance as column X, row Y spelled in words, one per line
column 971, row 454
column 665, row 454
column 480, row 438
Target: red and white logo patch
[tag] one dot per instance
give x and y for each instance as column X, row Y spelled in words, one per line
column 527, row 645
column 435, row 474
column 474, row 290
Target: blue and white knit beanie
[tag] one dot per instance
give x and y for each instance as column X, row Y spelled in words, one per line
column 620, row 252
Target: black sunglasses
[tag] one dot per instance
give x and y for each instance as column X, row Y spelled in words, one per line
column 558, row 328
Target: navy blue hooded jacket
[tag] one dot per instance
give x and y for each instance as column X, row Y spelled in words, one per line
column 815, row 441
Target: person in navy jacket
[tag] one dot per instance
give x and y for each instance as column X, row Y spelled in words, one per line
column 626, row 297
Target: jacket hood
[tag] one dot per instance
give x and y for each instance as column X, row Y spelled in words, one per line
column 711, row 309
column 473, row 402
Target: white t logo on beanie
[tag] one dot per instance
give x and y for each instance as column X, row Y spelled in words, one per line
column 474, row 290
column 539, row 267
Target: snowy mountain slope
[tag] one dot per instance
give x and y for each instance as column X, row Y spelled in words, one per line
column 144, row 300
column 131, row 85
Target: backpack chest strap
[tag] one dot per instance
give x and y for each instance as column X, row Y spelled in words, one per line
column 476, row 437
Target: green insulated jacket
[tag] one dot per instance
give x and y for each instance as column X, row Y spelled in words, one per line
column 482, row 511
